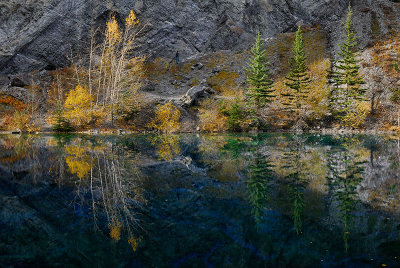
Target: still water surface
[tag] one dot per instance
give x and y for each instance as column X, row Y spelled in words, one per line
column 268, row 200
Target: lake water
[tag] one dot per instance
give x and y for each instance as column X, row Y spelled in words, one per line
column 267, row 200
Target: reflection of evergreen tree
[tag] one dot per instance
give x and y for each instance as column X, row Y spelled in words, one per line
column 235, row 146
column 345, row 175
column 258, row 184
column 296, row 180
column 297, row 194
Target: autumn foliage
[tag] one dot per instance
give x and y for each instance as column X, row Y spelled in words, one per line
column 13, row 102
column 106, row 89
column 211, row 118
column 166, row 119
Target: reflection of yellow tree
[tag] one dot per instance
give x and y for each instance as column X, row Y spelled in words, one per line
column 115, row 229
column 78, row 160
column 117, row 180
column 134, row 242
column 112, row 183
column 167, row 146
column 111, row 189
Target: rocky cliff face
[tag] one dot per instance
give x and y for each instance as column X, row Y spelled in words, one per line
column 40, row 34
column 43, row 34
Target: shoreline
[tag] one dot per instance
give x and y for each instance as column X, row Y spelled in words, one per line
column 325, row 131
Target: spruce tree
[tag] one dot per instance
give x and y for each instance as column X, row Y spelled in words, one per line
column 345, row 76
column 298, row 79
column 259, row 80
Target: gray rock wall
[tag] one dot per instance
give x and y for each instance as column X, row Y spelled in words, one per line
column 41, row 34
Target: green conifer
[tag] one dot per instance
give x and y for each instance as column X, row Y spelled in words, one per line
column 345, row 76
column 260, row 85
column 298, row 79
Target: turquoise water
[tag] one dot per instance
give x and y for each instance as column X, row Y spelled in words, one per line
column 267, row 200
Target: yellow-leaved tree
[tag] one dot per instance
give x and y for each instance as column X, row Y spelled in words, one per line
column 116, row 78
column 78, row 106
column 109, row 79
column 167, row 118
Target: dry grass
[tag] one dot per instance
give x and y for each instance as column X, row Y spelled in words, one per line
column 225, row 82
column 211, row 120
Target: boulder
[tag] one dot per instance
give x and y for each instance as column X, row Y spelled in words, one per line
column 193, row 94
column 19, row 80
column 148, row 87
column 300, row 126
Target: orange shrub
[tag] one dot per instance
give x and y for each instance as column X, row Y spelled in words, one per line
column 12, row 102
column 23, row 122
column 225, row 83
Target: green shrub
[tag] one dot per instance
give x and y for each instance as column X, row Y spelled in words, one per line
column 235, row 113
column 396, row 65
column 62, row 125
column 395, row 95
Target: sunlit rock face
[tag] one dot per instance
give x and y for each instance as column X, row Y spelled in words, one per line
column 41, row 34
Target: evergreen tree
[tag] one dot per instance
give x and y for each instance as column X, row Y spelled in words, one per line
column 298, row 79
column 260, row 84
column 345, row 76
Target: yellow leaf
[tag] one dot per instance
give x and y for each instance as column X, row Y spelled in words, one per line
column 131, row 20
column 113, row 32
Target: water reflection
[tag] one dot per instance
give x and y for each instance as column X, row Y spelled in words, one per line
column 187, row 200
column 167, row 146
column 78, row 159
column 345, row 163
column 296, row 178
column 258, row 184
column 104, row 177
